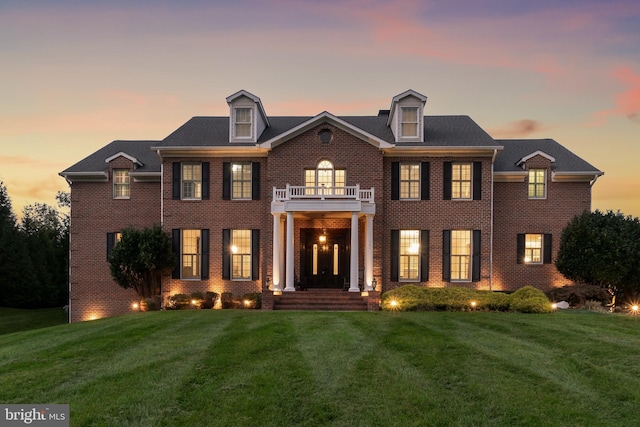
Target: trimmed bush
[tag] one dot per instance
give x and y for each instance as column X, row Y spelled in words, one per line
column 578, row 295
column 419, row 298
column 210, row 299
column 529, row 300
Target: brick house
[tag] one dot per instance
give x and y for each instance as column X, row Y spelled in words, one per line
column 326, row 202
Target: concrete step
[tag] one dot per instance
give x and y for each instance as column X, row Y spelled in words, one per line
column 320, row 299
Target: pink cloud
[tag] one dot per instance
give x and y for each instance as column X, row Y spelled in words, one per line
column 627, row 102
column 518, row 129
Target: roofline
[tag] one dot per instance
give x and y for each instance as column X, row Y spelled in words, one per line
column 336, row 121
column 442, row 150
column 125, row 155
column 85, row 176
column 254, row 98
column 245, row 151
column 536, row 153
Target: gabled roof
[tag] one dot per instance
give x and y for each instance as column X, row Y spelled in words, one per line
column 252, row 97
column 96, row 166
column 398, row 98
column 515, row 150
column 326, row 117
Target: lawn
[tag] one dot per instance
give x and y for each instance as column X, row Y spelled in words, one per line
column 16, row 319
column 250, row 368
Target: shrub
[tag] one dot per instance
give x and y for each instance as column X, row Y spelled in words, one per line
column 578, row 295
column 529, row 300
column 210, row 299
column 254, row 299
column 178, row 302
column 227, row 300
column 413, row 297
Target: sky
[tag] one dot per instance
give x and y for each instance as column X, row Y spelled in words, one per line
column 76, row 75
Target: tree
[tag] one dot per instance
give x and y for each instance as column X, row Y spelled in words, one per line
column 140, row 258
column 604, row 250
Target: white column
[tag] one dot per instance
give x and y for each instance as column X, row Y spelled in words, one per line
column 282, row 254
column 289, row 282
column 277, row 254
column 368, row 253
column 353, row 285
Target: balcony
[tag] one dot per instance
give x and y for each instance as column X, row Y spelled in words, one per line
column 301, row 192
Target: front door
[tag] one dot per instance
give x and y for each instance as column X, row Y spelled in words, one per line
column 324, row 258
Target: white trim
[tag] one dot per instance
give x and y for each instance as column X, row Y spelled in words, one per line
column 397, row 98
column 575, row 176
column 100, row 176
column 252, row 97
column 325, row 117
column 536, row 153
column 125, row 155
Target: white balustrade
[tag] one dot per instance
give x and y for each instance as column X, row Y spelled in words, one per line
column 322, row 192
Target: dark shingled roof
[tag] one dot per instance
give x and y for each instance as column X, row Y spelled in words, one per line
column 141, row 150
column 516, row 149
column 439, row 131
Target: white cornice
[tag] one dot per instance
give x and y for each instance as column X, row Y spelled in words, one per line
column 126, row 156
column 224, row 151
column 536, row 153
column 96, row 176
column 441, row 151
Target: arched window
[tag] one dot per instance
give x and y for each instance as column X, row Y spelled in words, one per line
column 325, row 178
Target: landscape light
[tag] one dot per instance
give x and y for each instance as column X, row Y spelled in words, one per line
column 393, row 303
column 247, row 303
column 135, row 305
column 194, row 302
column 473, row 304
column 554, row 306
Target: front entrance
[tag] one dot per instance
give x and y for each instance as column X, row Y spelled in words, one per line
column 324, row 258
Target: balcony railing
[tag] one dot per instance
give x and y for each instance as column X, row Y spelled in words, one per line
column 299, row 192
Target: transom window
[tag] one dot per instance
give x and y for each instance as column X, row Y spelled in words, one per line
column 461, row 181
column 533, row 248
column 242, row 122
column 410, row 181
column 241, row 181
column 537, row 183
column 241, row 254
column 191, row 254
column 192, row 181
column 409, row 255
column 325, row 178
column 409, row 125
column 121, row 184
column 461, row 255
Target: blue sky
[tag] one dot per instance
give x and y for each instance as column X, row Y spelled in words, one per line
column 77, row 75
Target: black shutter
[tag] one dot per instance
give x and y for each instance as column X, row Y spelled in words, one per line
column 205, row 180
column 446, row 189
column 111, row 241
column 475, row 261
column 204, row 263
column 226, row 254
column 175, row 247
column 424, row 181
column 226, row 181
column 255, row 181
column 446, row 255
column 255, row 254
column 520, row 249
column 547, row 249
column 477, row 181
column 395, row 180
column 424, row 256
column 395, row 255
column 176, row 181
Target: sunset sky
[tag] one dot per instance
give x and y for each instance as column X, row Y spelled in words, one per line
column 76, row 75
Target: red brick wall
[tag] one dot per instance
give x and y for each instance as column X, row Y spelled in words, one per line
column 94, row 213
column 437, row 215
column 516, row 213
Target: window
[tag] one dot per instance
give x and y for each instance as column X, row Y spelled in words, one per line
column 242, row 123
column 192, row 181
column 461, row 181
column 537, row 183
column 409, row 181
column 241, row 254
column 460, row 255
column 533, row 248
column 112, row 240
column 409, row 255
column 325, row 180
column 409, row 125
column 191, row 250
column 241, row 181
column 121, row 186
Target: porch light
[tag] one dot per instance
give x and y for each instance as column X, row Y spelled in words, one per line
column 322, row 238
column 374, row 284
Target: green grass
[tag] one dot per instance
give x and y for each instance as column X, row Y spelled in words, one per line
column 16, row 319
column 249, row 368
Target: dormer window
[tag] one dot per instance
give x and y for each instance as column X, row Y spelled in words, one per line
column 243, row 122
column 409, row 125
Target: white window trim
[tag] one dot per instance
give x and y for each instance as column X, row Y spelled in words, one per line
column 544, row 183
column 470, row 255
column 418, row 197
column 400, row 255
column 463, row 199
column 128, row 184
column 541, row 249
column 251, row 124
column 243, row 164
column 416, row 123
column 241, row 279
column 191, row 279
column 182, row 165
